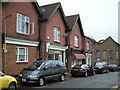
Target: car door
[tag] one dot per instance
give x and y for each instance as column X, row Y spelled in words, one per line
column 57, row 69
column 48, row 71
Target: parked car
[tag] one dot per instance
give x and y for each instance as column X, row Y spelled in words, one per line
column 7, row 82
column 42, row 70
column 119, row 67
column 82, row 69
column 113, row 67
column 101, row 67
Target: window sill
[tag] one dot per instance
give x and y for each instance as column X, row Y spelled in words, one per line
column 19, row 62
column 76, row 46
column 57, row 42
column 23, row 33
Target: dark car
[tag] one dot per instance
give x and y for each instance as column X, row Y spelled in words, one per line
column 119, row 67
column 82, row 70
column 113, row 67
column 101, row 67
column 42, row 70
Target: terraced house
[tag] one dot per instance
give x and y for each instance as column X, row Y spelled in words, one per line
column 53, row 29
column 33, row 32
column 75, row 41
column 21, row 35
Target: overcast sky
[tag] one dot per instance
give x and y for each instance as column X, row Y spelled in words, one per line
column 99, row 17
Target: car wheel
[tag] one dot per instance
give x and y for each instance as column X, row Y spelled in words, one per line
column 12, row 86
column 62, row 77
column 102, row 71
column 86, row 74
column 41, row 81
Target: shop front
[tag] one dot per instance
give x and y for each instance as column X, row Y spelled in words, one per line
column 78, row 59
column 56, row 52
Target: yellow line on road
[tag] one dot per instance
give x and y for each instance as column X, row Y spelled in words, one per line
column 116, row 87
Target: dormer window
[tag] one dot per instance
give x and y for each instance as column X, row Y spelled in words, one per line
column 23, row 24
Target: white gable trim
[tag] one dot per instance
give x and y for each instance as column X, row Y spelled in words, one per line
column 21, row 42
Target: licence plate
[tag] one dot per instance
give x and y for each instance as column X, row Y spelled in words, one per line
column 23, row 79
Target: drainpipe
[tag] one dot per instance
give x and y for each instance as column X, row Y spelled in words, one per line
column 4, row 45
column 39, row 39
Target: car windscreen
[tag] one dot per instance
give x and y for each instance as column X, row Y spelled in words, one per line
column 99, row 64
column 34, row 65
column 79, row 66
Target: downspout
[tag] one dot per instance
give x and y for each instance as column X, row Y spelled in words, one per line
column 39, row 39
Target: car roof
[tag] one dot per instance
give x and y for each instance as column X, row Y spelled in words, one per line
column 38, row 60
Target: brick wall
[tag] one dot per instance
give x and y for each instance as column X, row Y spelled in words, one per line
column 76, row 31
column 28, row 9
column 47, row 30
column 14, row 68
column 24, row 8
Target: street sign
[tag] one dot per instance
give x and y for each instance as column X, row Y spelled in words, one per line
column 4, row 46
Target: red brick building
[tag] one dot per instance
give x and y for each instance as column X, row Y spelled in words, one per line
column 75, row 41
column 52, row 35
column 104, row 50
column 22, row 34
column 108, row 50
column 90, row 49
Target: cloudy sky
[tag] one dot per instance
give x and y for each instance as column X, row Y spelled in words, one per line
column 99, row 17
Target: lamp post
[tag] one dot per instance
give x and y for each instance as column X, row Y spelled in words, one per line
column 4, row 45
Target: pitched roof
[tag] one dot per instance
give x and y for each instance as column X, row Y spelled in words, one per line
column 108, row 39
column 37, row 7
column 93, row 40
column 72, row 20
column 49, row 10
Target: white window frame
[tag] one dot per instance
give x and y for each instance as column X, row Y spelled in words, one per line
column 32, row 26
column 18, row 54
column 76, row 39
column 56, row 34
column 23, row 24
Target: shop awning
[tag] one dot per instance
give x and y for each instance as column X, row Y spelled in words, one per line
column 78, row 56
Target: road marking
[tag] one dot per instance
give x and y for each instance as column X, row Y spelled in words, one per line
column 116, row 87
